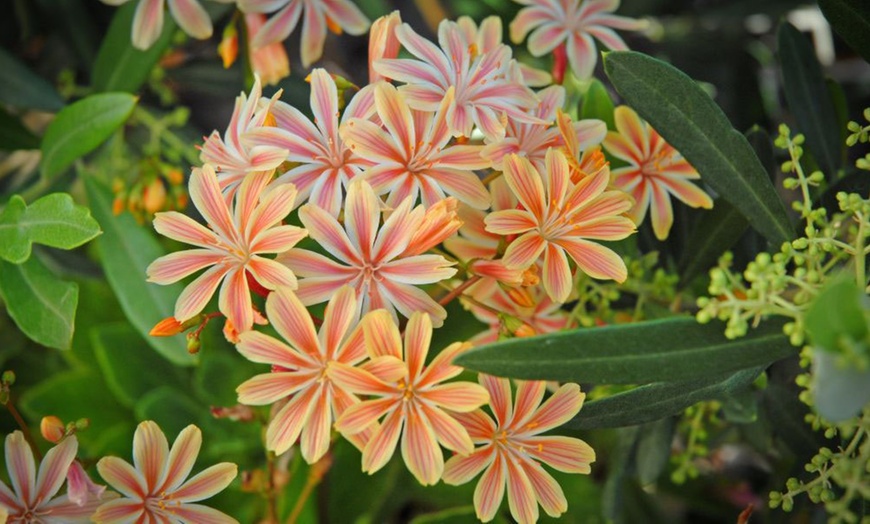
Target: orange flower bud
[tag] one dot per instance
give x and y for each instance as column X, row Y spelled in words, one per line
column 521, row 297
column 52, row 429
column 154, row 196
column 117, row 206
column 525, row 331
column 167, row 327
column 530, row 277
column 228, row 49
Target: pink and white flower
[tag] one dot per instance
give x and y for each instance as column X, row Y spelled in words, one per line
column 269, row 62
column 154, row 489
column 537, row 312
column 231, row 249
column 383, row 42
column 148, row 20
column 487, row 37
column 512, row 449
column 655, row 172
column 415, row 404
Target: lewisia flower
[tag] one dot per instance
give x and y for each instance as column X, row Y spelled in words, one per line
column 487, row 38
column 148, row 20
column 32, row 497
column 337, row 15
column 656, row 170
column 531, row 312
column 326, row 163
column 415, row 400
column 231, row 249
column 486, row 92
column 301, row 370
column 513, row 449
column 269, row 62
column 572, row 23
column 370, row 260
column 383, row 42
column 232, row 158
column 154, row 489
column 560, row 218
column 412, row 156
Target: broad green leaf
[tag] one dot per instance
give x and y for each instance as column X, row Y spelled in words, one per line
column 221, row 368
column 837, row 316
column 690, row 121
column 597, row 104
column 714, row 233
column 741, row 407
column 809, row 98
column 671, row 349
column 13, row 134
column 81, row 128
column 786, row 413
column 53, row 220
column 119, row 65
column 42, row 305
column 123, row 355
column 171, row 409
column 839, row 392
column 654, row 401
column 127, row 248
column 21, row 87
column 851, row 20
column 621, row 458
column 654, row 449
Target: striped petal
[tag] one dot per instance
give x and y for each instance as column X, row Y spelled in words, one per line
column 234, row 300
column 566, row 454
column 182, row 228
column 490, row 489
column 293, row 321
column 500, row 399
column 595, row 260
column 271, row 274
column 360, row 416
column 510, row 222
column 461, row 469
column 120, row 475
column 150, row 450
column 192, row 18
column 526, row 184
column 556, row 275
column 313, row 35
column 450, row 433
column 547, row 490
column 316, row 433
column 420, row 449
column 382, row 445
column 263, row 349
column 147, row 23
column 175, row 266
column 561, row 407
column 207, row 483
column 521, row 494
column 54, row 467
column 199, row 514
column 205, row 193
column 120, row 510
column 525, row 250
column 459, row 397
column 529, row 396
column 323, row 228
column 289, row 421
column 21, row 466
column 582, row 55
column 268, row 388
column 182, row 457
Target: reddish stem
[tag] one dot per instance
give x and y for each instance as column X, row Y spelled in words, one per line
column 28, row 436
column 560, row 63
column 458, row 290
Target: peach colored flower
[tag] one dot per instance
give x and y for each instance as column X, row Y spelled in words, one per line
column 148, row 20
column 485, row 90
column 371, row 260
column 31, row 498
column 383, row 42
column 154, row 488
column 417, row 401
column 231, row 157
column 558, row 219
column 529, row 305
column 488, row 37
column 572, row 23
column 412, row 155
column 301, row 370
column 513, row 449
column 656, row 170
column 269, row 62
column 584, row 158
column 231, row 249
column 317, row 16
column 326, row 163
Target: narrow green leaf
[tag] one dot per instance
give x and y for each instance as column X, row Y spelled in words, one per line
column 808, row 98
column 690, row 121
column 126, row 250
column 13, row 134
column 81, row 128
column 713, row 234
column 786, row 413
column 671, row 349
column 851, row 20
column 21, row 87
column 42, row 305
column 119, row 65
column 53, row 220
column 654, row 401
column 654, row 449
column 597, row 104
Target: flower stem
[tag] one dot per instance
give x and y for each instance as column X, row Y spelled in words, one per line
column 458, row 290
column 28, row 436
column 315, row 475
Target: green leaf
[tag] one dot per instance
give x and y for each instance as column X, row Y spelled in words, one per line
column 839, row 392
column 42, row 305
column 597, row 104
column 671, row 349
column 690, row 121
column 171, row 409
column 714, row 233
column 21, row 87
column 458, row 515
column 13, row 134
column 851, row 20
column 127, row 248
column 809, row 98
column 837, row 316
column 122, row 355
column 53, row 220
column 654, row 449
column 119, row 65
column 654, row 401
column 81, row 128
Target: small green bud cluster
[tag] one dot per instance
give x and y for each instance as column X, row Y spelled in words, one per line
column 857, row 132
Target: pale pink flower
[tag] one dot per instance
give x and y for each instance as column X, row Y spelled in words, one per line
column 371, row 260
column 530, row 306
column 80, row 488
column 326, row 163
column 148, row 20
column 486, row 93
column 412, row 155
column 417, row 400
column 655, row 172
column 383, row 42
column 512, row 449
column 487, row 38
column 301, row 370
column 572, row 23
column 154, row 489
column 31, row 499
column 231, row 249
column 270, row 62
column 231, row 157
column 558, row 219
column 317, row 16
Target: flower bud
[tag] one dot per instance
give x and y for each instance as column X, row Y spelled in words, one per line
column 52, row 429
column 167, row 327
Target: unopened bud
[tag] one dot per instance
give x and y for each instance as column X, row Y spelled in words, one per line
column 521, row 297
column 154, row 196
column 83, row 424
column 52, row 429
column 167, row 327
column 228, row 49
column 8, row 377
column 193, row 343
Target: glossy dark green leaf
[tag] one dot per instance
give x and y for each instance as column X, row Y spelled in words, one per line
column 714, row 233
column 13, row 134
column 839, row 390
column 851, row 20
column 42, row 305
column 127, row 248
column 690, row 121
column 837, row 316
column 119, row 65
column 654, row 449
column 598, row 104
column 21, row 87
column 81, row 128
column 53, row 220
column 672, row 349
column 654, row 401
column 808, row 98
